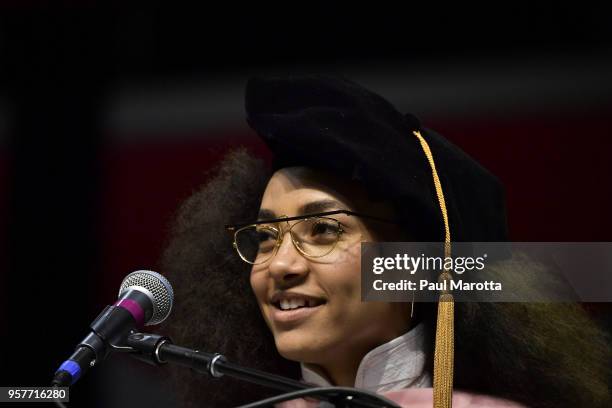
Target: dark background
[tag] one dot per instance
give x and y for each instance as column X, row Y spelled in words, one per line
column 110, row 115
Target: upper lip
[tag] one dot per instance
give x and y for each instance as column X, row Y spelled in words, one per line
column 288, row 295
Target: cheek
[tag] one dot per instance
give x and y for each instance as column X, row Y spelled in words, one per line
column 258, row 285
column 347, row 265
column 342, row 278
column 364, row 320
column 260, row 290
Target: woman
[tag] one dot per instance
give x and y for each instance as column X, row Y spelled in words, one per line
column 342, row 149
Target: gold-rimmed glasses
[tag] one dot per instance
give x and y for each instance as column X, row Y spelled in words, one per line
column 313, row 235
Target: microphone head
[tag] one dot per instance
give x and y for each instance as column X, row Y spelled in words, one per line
column 156, row 287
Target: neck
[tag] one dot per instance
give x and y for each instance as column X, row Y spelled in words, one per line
column 339, row 373
column 341, row 368
column 342, row 371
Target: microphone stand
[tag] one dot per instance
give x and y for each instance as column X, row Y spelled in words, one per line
column 156, row 349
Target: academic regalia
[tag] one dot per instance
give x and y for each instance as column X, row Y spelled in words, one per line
column 333, row 124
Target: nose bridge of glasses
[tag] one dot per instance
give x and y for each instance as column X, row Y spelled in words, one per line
column 288, row 229
column 294, row 237
column 289, row 226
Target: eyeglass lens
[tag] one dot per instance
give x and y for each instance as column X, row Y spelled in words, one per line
column 313, row 237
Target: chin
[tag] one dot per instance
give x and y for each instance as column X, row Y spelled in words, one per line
column 301, row 347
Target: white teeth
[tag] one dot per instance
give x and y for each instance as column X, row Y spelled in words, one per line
column 288, row 304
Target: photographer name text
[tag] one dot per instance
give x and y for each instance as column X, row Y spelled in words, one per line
column 424, row 284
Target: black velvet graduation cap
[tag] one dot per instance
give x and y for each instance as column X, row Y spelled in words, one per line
column 336, row 125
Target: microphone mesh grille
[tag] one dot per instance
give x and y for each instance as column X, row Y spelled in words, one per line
column 163, row 295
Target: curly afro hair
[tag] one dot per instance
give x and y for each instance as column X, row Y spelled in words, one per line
column 543, row 355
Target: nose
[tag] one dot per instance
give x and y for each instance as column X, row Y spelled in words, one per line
column 288, row 265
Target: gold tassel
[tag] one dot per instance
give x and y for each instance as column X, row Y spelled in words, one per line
column 444, row 353
column 445, row 325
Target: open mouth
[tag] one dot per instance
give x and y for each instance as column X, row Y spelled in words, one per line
column 291, row 308
column 291, row 304
column 293, row 301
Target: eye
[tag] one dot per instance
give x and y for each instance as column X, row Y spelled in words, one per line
column 324, row 231
column 323, row 227
column 266, row 233
column 266, row 237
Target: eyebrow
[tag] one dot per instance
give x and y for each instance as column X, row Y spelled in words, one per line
column 308, row 208
column 320, row 206
column 265, row 214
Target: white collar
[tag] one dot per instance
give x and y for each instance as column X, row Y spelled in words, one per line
column 397, row 364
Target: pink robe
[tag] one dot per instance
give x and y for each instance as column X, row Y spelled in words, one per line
column 395, row 371
column 423, row 398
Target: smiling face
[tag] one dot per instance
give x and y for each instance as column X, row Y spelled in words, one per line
column 313, row 305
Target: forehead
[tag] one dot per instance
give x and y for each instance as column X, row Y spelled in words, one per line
column 290, row 189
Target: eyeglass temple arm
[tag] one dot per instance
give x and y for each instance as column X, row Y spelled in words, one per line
column 372, row 217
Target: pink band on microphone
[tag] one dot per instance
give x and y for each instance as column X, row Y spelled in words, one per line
column 135, row 310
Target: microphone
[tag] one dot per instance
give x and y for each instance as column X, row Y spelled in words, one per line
column 145, row 298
